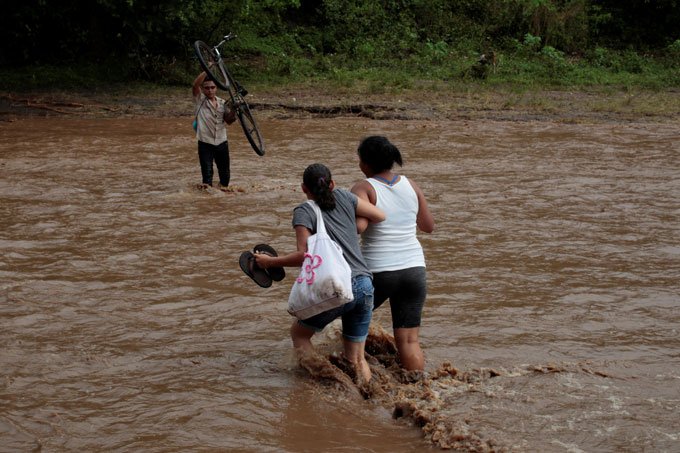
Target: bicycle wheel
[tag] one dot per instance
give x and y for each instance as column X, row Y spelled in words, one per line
column 249, row 126
column 212, row 64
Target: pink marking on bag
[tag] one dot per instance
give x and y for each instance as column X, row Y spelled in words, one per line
column 310, row 263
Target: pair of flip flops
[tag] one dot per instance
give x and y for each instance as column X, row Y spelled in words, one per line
column 262, row 277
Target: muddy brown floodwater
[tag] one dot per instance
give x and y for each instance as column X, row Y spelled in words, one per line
column 126, row 324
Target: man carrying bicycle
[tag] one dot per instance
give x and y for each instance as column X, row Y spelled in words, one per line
column 212, row 112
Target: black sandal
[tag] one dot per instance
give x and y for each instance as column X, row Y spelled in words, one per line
column 252, row 270
column 276, row 273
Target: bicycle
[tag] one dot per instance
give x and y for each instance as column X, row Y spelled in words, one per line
column 213, row 65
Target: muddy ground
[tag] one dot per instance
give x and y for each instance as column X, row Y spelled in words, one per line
column 294, row 102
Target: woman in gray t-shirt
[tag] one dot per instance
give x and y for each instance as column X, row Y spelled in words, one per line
column 339, row 209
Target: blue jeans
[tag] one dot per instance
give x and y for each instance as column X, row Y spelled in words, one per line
column 356, row 315
column 208, row 153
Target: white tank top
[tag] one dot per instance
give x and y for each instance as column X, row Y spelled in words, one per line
column 392, row 244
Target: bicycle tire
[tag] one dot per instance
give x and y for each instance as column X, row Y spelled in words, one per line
column 249, row 126
column 212, row 65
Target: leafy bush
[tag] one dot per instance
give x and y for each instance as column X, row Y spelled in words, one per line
column 672, row 55
column 552, row 41
column 555, row 63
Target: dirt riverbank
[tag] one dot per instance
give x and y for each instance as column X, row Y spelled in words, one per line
column 295, row 102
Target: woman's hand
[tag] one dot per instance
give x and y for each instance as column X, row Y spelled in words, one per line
column 263, row 260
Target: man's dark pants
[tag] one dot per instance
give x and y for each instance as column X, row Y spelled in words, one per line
column 208, row 153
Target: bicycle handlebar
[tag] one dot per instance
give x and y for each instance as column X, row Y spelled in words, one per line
column 228, row 37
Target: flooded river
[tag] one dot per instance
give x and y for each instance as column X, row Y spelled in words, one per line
column 126, row 323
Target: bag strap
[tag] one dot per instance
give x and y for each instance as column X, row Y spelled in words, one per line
column 320, row 225
column 199, row 107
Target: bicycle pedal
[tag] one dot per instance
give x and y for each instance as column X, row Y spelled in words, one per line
column 243, row 92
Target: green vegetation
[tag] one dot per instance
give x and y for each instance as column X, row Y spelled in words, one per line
column 381, row 45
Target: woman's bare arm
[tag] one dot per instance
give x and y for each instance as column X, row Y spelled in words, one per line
column 369, row 211
column 363, row 190
column 293, row 259
column 424, row 220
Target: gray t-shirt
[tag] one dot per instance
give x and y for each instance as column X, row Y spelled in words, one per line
column 341, row 226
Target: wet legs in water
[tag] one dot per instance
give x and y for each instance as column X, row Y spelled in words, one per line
column 222, row 162
column 406, row 291
column 354, row 351
column 208, row 153
column 410, row 355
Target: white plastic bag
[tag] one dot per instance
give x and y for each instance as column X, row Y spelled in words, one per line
column 325, row 279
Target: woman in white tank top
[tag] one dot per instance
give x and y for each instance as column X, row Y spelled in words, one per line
column 391, row 248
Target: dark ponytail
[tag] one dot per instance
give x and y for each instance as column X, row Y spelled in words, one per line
column 317, row 179
column 378, row 153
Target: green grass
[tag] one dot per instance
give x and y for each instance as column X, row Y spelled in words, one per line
column 623, row 82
